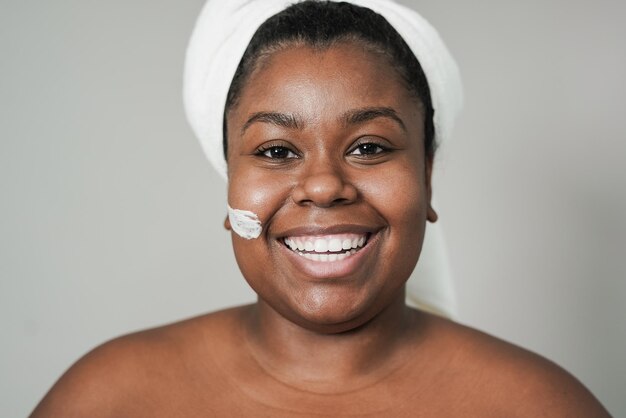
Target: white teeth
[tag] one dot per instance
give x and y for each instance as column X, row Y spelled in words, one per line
column 291, row 244
column 326, row 248
column 321, row 245
column 327, row 257
column 334, row 245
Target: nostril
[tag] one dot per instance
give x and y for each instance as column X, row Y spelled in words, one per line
column 325, row 190
column 342, row 200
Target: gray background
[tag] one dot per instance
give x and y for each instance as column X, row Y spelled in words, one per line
column 111, row 219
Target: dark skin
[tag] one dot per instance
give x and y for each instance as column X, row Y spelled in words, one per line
column 322, row 341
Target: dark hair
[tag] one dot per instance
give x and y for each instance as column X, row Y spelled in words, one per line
column 320, row 24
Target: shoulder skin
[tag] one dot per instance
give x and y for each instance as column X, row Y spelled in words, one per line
column 138, row 374
column 506, row 380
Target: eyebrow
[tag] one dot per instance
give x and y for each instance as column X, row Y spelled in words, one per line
column 351, row 117
column 354, row 117
column 280, row 119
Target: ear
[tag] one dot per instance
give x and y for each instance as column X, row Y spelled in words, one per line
column 227, row 224
column 431, row 215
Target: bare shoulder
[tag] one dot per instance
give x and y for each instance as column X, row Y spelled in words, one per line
column 513, row 381
column 136, row 372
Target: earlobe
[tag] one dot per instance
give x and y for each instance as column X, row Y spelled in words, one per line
column 227, row 224
column 431, row 214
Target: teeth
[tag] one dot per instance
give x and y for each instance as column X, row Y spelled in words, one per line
column 321, row 245
column 291, row 244
column 329, row 248
column 327, row 257
column 334, row 245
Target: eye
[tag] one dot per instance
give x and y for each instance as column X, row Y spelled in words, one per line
column 276, row 152
column 368, row 148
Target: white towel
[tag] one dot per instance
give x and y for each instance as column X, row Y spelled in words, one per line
column 221, row 35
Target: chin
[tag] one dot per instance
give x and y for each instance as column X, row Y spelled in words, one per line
column 330, row 311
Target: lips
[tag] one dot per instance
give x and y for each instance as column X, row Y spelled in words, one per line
column 326, row 248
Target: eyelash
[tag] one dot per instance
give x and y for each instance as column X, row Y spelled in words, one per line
column 264, row 149
column 381, row 149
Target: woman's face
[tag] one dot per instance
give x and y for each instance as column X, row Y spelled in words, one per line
column 327, row 148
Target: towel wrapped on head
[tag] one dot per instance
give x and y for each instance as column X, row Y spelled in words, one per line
column 221, row 35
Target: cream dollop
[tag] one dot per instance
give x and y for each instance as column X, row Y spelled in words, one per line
column 246, row 224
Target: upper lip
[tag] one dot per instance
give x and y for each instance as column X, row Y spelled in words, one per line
column 317, row 230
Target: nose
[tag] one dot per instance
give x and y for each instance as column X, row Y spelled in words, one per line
column 324, row 189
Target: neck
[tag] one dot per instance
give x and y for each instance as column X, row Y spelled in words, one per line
column 295, row 354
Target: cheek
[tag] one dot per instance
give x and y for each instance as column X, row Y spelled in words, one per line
column 398, row 193
column 400, row 196
column 252, row 191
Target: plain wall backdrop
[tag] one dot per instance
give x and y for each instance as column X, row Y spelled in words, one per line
column 111, row 219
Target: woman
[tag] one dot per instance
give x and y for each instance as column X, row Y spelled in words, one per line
column 330, row 128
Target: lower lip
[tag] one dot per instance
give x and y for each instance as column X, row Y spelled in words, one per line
column 321, row 270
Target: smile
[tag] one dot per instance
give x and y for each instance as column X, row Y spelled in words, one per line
column 326, row 248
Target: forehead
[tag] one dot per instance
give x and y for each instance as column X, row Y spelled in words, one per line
column 317, row 81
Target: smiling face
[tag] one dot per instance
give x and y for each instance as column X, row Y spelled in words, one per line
column 326, row 147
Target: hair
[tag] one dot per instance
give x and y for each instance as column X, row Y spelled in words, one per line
column 322, row 24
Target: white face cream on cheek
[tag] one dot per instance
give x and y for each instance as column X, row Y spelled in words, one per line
column 246, row 224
